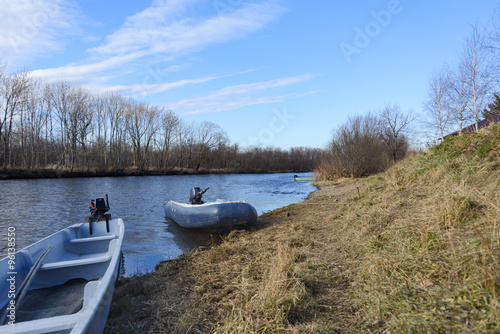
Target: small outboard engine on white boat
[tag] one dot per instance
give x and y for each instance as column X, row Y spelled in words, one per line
column 98, row 207
column 195, row 195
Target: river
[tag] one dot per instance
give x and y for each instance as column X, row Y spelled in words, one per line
column 40, row 207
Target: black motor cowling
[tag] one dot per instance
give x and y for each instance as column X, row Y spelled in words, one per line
column 195, row 195
column 98, row 207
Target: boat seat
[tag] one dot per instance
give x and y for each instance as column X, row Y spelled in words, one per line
column 93, row 239
column 77, row 262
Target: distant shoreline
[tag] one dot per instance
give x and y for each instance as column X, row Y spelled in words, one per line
column 45, row 173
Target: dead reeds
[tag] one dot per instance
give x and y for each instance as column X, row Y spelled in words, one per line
column 416, row 250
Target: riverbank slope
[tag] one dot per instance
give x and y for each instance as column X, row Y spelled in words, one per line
column 414, row 249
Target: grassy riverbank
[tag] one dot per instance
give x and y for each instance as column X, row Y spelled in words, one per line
column 414, row 249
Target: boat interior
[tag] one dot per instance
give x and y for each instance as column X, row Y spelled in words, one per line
column 69, row 273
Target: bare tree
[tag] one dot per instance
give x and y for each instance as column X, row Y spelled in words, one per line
column 80, row 120
column 153, row 114
column 142, row 125
column 395, row 130
column 493, row 47
column 58, row 94
column 210, row 136
column 12, row 96
column 3, row 95
column 435, row 105
column 185, row 139
column 37, row 115
column 458, row 100
column 72, row 105
column 99, row 129
column 116, row 107
column 474, row 65
column 169, row 124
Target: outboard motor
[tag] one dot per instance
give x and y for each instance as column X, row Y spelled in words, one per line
column 98, row 207
column 195, row 195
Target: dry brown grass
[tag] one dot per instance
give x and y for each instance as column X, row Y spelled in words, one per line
column 414, row 249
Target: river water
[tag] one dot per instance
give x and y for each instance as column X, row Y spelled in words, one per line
column 40, row 207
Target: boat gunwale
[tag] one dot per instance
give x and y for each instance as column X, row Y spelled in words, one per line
column 188, row 205
column 96, row 293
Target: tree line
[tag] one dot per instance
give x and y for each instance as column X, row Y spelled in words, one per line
column 67, row 127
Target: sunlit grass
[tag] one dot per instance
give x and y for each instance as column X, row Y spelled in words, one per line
column 414, row 249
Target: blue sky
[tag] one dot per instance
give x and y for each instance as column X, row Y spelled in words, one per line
column 279, row 73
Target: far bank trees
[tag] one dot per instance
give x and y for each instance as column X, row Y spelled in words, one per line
column 67, row 127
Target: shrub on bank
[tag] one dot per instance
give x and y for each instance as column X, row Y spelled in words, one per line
column 365, row 145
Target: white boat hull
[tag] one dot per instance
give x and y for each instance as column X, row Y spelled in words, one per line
column 76, row 256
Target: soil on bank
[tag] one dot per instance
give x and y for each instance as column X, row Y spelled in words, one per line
column 414, row 249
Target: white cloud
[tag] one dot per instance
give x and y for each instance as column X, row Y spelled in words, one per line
column 240, row 102
column 79, row 72
column 140, row 31
column 160, row 29
column 148, row 89
column 32, row 28
column 164, row 29
column 247, row 89
column 144, row 88
column 234, row 97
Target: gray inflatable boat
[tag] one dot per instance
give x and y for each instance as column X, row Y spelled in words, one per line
column 219, row 216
